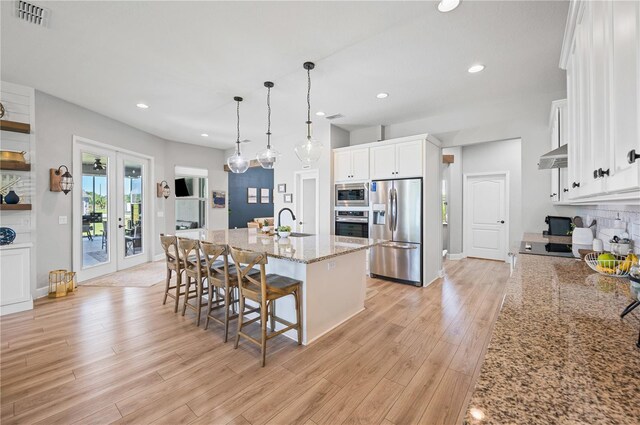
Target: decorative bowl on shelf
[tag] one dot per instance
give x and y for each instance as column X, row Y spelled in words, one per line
column 7, row 235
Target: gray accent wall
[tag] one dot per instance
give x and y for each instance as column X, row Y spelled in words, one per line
column 57, row 122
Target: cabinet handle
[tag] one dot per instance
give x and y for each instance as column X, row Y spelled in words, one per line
column 565, row 190
column 553, row 194
column 602, row 173
column 574, row 185
column 632, row 156
column 595, row 174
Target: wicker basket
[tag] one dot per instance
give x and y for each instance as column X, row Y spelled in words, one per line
column 612, row 268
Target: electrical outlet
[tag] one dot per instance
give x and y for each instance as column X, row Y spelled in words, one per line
column 62, row 219
column 331, row 265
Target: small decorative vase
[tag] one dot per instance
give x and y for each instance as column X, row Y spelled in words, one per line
column 12, row 198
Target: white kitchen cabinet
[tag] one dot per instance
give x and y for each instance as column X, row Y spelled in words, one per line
column 399, row 160
column 601, row 54
column 15, row 278
column 351, row 164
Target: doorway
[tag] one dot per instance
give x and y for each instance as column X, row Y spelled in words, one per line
column 112, row 208
column 486, row 215
column 307, row 201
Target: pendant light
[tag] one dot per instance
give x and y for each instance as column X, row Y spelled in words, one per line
column 236, row 162
column 309, row 150
column 268, row 157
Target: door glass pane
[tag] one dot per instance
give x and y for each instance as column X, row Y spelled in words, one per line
column 95, row 240
column 132, row 214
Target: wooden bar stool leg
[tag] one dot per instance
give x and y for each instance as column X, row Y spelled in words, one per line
column 209, row 302
column 240, row 319
column 263, row 328
column 298, row 315
column 178, row 285
column 272, row 316
column 166, row 287
column 199, row 287
column 187, row 287
column 227, row 300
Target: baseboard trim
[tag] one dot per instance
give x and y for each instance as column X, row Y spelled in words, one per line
column 40, row 293
column 455, row 256
column 16, row 308
column 158, row 257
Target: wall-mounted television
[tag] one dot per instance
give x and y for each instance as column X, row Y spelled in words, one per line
column 182, row 189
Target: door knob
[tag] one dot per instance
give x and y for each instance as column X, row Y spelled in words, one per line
column 501, row 221
column 300, row 222
column 632, row 156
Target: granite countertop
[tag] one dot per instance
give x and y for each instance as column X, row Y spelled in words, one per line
column 539, row 237
column 559, row 352
column 308, row 249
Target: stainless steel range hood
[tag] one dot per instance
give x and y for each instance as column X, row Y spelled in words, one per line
column 557, row 158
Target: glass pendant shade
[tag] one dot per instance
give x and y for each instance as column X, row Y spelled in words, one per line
column 308, row 151
column 238, row 163
column 267, row 158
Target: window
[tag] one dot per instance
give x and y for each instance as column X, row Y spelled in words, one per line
column 191, row 198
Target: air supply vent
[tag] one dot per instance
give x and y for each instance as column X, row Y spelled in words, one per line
column 334, row 116
column 32, row 13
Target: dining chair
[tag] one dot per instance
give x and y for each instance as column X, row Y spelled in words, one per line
column 264, row 292
column 196, row 270
column 172, row 258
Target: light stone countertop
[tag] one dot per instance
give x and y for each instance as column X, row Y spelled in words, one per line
column 539, row 237
column 559, row 352
column 308, row 249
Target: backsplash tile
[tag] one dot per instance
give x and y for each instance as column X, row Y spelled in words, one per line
column 625, row 217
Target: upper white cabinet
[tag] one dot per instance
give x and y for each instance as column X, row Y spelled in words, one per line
column 601, row 52
column 352, row 164
column 559, row 136
column 398, row 160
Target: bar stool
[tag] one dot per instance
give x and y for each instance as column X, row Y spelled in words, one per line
column 170, row 245
column 264, row 292
column 196, row 270
column 223, row 283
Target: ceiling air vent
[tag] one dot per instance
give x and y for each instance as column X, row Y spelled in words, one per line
column 32, row 13
column 334, row 116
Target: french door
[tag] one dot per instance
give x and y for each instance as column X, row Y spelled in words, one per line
column 111, row 210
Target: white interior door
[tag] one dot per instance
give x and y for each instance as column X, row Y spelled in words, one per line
column 110, row 198
column 307, row 202
column 486, row 216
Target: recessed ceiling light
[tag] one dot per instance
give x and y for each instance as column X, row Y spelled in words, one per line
column 448, row 5
column 382, row 95
column 142, row 105
column 204, row 135
column 476, row 68
column 320, row 114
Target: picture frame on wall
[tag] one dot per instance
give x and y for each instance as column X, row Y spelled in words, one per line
column 252, row 195
column 288, row 198
column 264, row 196
column 218, row 199
column 282, row 188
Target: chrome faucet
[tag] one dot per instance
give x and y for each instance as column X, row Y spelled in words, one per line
column 280, row 214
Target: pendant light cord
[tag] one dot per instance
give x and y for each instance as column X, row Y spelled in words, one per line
column 238, row 127
column 309, row 104
column 268, row 117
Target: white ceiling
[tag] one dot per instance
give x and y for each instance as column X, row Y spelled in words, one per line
column 188, row 59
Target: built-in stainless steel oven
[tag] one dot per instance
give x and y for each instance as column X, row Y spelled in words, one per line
column 352, row 223
column 352, row 195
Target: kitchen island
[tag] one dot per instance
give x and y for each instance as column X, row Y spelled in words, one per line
column 559, row 352
column 332, row 270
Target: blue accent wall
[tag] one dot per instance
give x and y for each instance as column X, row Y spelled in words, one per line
column 240, row 212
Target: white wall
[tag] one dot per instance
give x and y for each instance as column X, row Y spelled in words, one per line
column 523, row 118
column 57, row 122
column 366, row 135
column 499, row 156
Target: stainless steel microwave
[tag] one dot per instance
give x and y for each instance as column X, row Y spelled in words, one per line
column 352, row 195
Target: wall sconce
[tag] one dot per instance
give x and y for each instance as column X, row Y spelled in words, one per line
column 163, row 189
column 60, row 181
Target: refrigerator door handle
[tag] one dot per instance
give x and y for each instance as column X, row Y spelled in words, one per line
column 390, row 209
column 395, row 209
column 388, row 245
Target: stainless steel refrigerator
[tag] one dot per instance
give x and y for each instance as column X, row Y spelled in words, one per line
column 396, row 206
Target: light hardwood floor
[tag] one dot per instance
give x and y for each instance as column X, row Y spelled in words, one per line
column 117, row 355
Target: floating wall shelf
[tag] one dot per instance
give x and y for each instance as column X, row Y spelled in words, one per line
column 15, row 207
column 14, row 166
column 16, row 127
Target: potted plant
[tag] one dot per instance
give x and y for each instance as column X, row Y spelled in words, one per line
column 284, row 231
column 265, row 226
